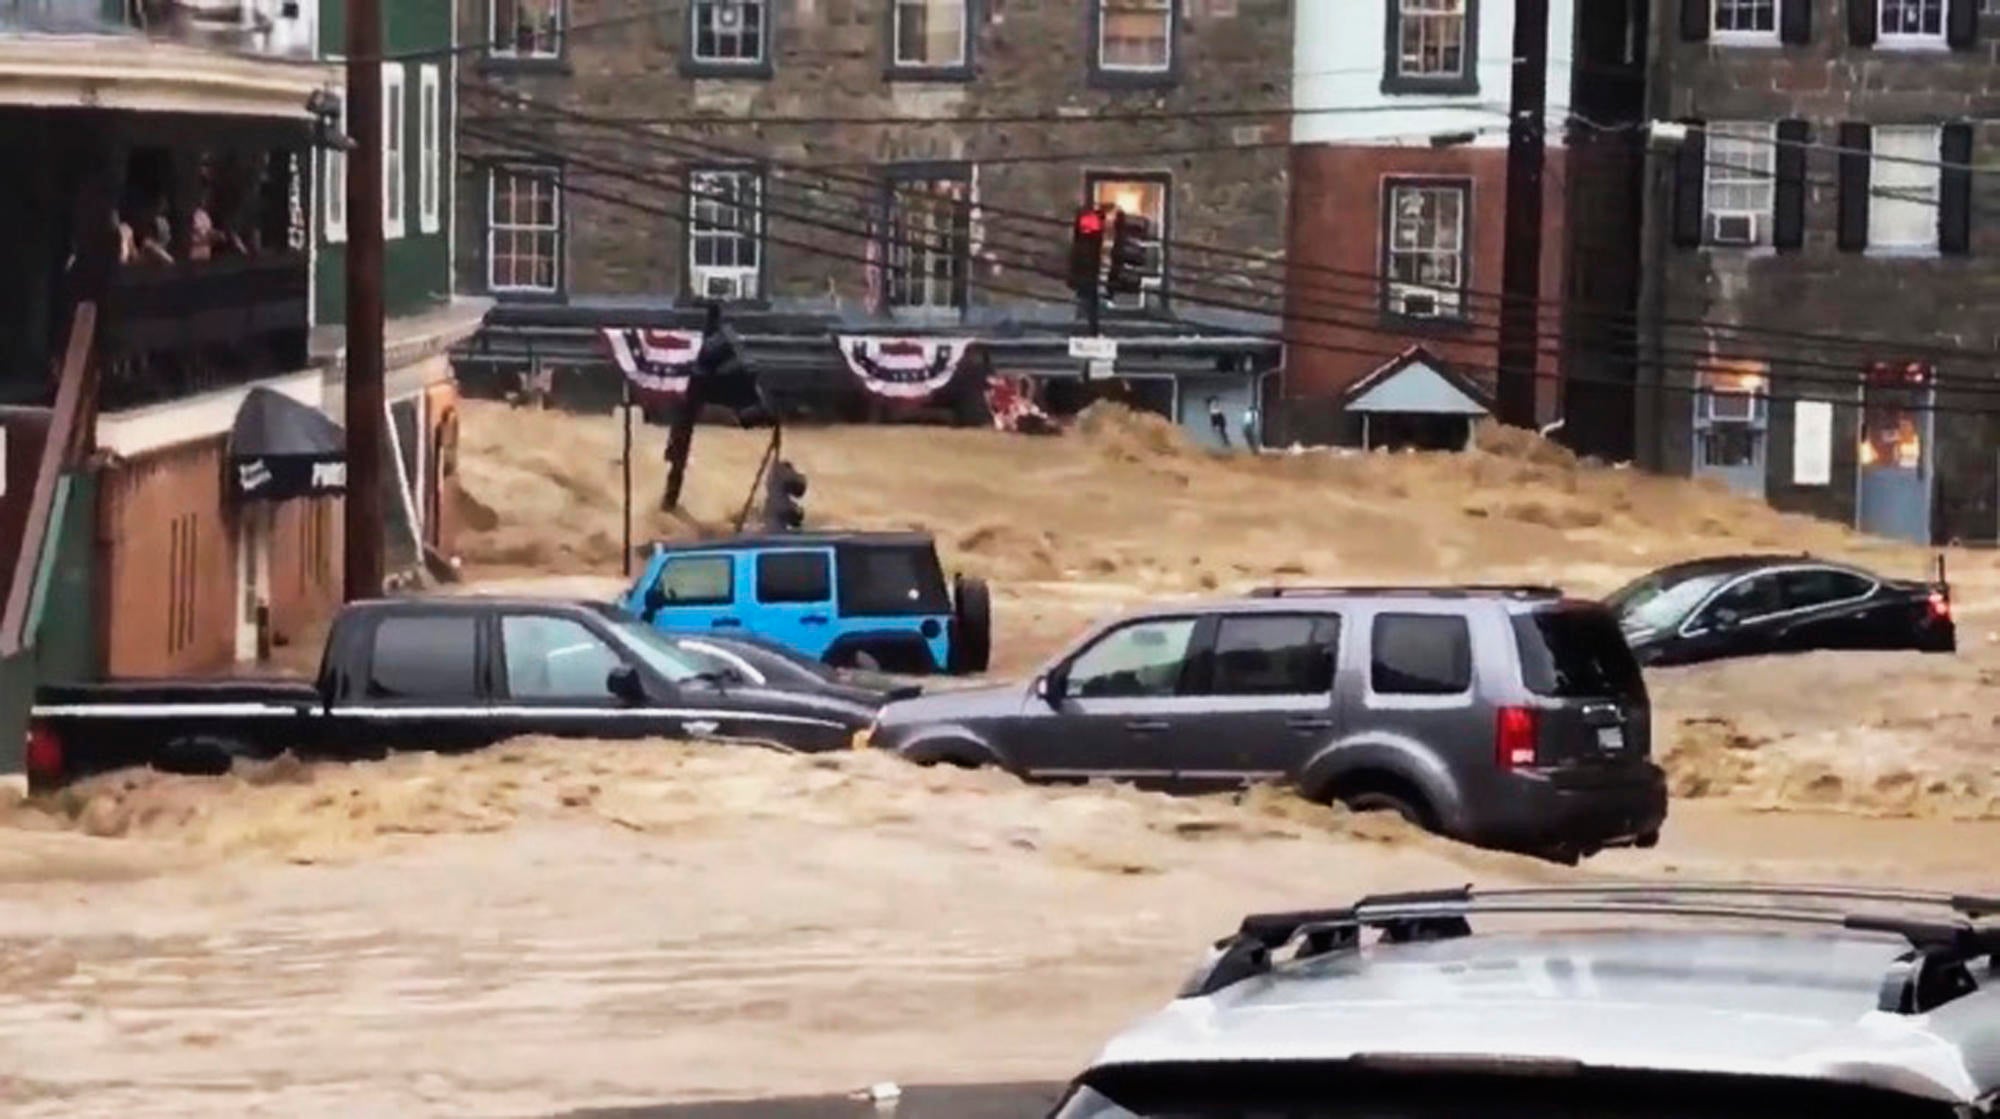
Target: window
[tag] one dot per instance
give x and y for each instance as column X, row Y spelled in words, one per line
column 1146, row 198
column 1741, row 184
column 1750, row 598
column 1821, row 586
column 891, row 579
column 1420, row 654
column 425, row 656
column 1274, row 655
column 1911, row 20
column 699, row 581
column 931, row 34
column 394, row 150
column 1135, row 35
column 523, row 229
column 1749, row 18
column 335, row 194
column 725, row 233
column 556, row 658
column 1144, row 659
column 182, row 553
column 526, row 29
column 728, row 31
column 928, row 242
column 794, row 577
column 1903, row 177
column 1425, row 248
column 1430, row 41
column 1576, row 654
column 430, row 108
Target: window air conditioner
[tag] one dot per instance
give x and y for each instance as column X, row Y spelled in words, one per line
column 1732, row 229
column 726, row 283
column 1421, row 302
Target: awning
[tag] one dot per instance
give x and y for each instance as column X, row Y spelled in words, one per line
column 280, row 449
column 1417, row 383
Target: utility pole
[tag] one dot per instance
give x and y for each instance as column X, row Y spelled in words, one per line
column 365, row 512
column 1521, row 267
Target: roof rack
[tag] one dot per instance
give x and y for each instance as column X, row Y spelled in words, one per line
column 1451, row 590
column 1933, row 972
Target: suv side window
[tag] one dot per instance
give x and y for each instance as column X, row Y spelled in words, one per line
column 699, row 581
column 1274, row 654
column 1141, row 660
column 425, row 656
column 793, row 577
column 1420, row 654
column 555, row 658
column 1818, row 586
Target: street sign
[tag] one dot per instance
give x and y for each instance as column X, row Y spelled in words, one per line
column 1093, row 349
column 1097, row 370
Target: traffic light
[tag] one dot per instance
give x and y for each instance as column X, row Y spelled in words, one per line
column 1086, row 251
column 783, row 489
column 1131, row 244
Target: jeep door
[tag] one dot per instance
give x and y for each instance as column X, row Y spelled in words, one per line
column 792, row 599
column 1267, row 684
column 696, row 591
column 1125, row 703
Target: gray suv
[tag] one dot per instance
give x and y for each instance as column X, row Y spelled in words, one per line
column 1509, row 717
column 1700, row 1001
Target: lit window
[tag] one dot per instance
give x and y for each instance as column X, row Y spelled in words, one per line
column 930, row 34
column 526, row 28
column 523, row 229
column 728, row 31
column 1426, row 248
column 1741, row 184
column 1135, row 34
column 1903, row 178
column 1146, row 198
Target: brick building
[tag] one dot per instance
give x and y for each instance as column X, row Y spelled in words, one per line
column 921, row 192
column 1824, row 259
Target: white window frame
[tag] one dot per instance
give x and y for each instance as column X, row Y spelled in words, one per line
column 1895, row 38
column 430, row 147
column 552, row 176
column 1406, row 19
column 915, row 273
column 1881, row 175
column 333, row 202
column 698, row 9
column 1450, row 301
column 395, row 150
column 1170, row 9
column 750, row 277
column 896, row 36
column 1757, row 37
column 495, row 48
column 1759, row 171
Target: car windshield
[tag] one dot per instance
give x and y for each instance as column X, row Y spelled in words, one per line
column 659, row 651
column 1663, row 601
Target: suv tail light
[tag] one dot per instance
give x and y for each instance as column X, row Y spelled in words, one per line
column 1514, row 735
column 44, row 757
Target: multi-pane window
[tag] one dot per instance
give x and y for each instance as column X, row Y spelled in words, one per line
column 927, row 250
column 1425, row 248
column 1135, row 34
column 335, row 162
column 526, row 28
column 523, row 229
column 1430, row 38
column 1741, row 183
column 1146, row 198
column 430, row 160
column 725, row 233
column 730, row 31
column 1912, row 19
column 1755, row 17
column 930, row 33
column 1903, row 178
column 395, row 151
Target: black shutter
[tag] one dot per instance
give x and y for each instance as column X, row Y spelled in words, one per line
column 1795, row 21
column 1862, row 21
column 1690, row 184
column 1961, row 24
column 1955, row 190
column 1854, row 156
column 1695, row 20
column 1788, row 221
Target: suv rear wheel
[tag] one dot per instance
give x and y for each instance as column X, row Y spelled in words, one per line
column 1370, row 793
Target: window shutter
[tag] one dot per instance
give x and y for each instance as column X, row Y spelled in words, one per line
column 1854, row 158
column 1955, row 190
column 1795, row 21
column 1961, row 24
column 1862, row 20
column 1690, row 185
column 1788, row 222
column 1695, row 20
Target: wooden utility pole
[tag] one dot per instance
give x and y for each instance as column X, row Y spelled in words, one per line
column 364, row 411
column 1521, row 266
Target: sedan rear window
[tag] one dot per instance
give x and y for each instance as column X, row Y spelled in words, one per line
column 1576, row 654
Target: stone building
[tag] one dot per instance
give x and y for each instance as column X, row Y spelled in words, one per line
column 897, row 174
column 1824, row 257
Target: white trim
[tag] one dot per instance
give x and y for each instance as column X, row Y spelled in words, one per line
column 494, row 40
column 553, row 174
column 333, row 195
column 118, row 73
column 1166, row 64
column 430, row 178
column 764, row 39
column 395, row 139
column 896, row 59
column 204, row 416
column 1912, row 40
column 448, row 177
column 168, row 710
column 1760, row 138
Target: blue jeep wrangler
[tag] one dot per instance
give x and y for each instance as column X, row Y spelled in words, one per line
column 851, row 599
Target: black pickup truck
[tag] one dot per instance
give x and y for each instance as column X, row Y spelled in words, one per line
column 439, row 674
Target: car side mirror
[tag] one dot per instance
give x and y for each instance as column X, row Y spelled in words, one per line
column 624, row 682
column 1052, row 687
column 655, row 600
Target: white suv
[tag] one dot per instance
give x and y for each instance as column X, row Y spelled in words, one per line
column 1684, row 1001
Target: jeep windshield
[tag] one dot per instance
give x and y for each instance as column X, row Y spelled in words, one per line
column 1298, row 1090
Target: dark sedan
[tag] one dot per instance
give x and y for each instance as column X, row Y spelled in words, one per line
column 1744, row 606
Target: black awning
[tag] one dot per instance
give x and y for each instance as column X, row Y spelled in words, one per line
column 281, row 449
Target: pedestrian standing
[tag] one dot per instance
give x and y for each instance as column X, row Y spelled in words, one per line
column 1218, row 421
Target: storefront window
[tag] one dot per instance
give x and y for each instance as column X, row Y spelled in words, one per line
column 1895, row 396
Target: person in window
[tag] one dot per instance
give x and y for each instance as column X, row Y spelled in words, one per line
column 1218, row 420
column 153, row 235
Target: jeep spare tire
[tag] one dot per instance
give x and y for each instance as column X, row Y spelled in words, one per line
column 972, row 626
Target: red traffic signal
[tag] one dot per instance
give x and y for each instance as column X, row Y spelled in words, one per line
column 1086, row 251
column 1090, row 223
